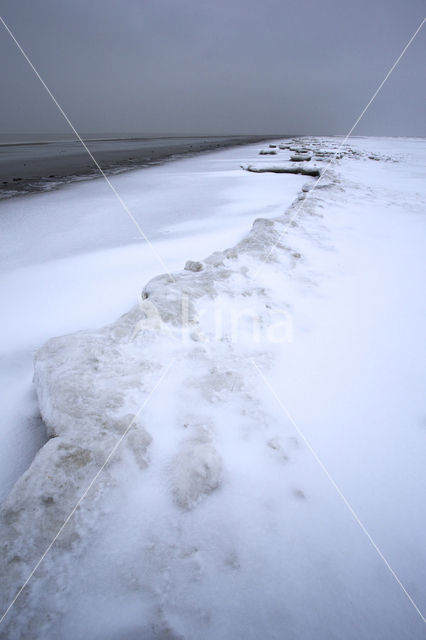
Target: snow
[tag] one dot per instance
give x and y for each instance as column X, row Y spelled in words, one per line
column 213, row 519
column 72, row 259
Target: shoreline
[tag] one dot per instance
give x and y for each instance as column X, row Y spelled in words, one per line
column 36, row 167
column 212, row 452
column 50, row 241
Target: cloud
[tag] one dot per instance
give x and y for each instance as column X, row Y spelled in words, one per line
column 193, row 66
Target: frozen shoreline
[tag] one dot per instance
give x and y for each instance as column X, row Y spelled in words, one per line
column 215, row 519
column 41, row 166
column 72, row 259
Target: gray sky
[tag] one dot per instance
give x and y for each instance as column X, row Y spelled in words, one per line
column 213, row 66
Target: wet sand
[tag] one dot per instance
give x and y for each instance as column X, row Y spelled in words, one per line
column 27, row 167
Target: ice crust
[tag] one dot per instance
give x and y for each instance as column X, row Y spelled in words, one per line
column 187, row 455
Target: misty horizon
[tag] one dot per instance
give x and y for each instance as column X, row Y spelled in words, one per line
column 194, row 69
column 28, row 136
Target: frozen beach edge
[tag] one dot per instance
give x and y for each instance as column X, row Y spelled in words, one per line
column 84, row 423
column 92, row 384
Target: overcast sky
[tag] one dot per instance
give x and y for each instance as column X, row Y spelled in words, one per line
column 213, row 66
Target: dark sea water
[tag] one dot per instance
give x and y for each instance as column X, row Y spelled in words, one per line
column 44, row 162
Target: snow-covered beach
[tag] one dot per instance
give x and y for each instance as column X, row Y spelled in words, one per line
column 280, row 361
column 72, row 259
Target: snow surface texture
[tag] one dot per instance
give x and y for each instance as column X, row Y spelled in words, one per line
column 213, row 519
column 72, row 259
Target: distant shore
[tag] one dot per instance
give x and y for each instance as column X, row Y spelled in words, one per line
column 42, row 165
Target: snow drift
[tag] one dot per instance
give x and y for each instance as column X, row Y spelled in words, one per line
column 209, row 519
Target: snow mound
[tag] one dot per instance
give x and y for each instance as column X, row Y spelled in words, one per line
column 192, row 522
column 90, row 387
column 300, row 157
column 267, row 152
column 197, row 471
column 297, row 170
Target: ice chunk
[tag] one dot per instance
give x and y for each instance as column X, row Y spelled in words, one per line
column 197, row 472
column 192, row 265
